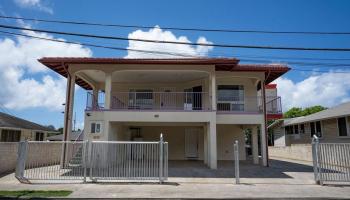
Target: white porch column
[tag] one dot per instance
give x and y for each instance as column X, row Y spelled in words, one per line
column 255, row 145
column 108, row 90
column 212, row 148
column 263, row 145
column 205, row 154
column 263, row 130
column 212, row 89
column 68, row 113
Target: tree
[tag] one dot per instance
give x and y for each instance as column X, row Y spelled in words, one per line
column 298, row 112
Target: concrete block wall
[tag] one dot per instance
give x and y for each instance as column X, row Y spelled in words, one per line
column 8, row 156
column 301, row 152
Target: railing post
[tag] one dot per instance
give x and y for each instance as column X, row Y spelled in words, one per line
column 21, row 160
column 161, row 144
column 315, row 154
column 236, row 157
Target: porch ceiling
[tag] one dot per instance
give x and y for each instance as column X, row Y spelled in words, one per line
column 144, row 76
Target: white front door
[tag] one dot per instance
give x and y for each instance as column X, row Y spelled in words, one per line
column 191, row 142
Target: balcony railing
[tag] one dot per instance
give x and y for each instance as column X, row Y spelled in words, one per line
column 183, row 101
column 273, row 105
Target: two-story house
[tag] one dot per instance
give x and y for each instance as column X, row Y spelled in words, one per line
column 201, row 105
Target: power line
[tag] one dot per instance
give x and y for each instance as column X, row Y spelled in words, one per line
column 293, row 58
column 303, row 63
column 176, row 42
column 157, row 52
column 100, row 46
column 179, row 28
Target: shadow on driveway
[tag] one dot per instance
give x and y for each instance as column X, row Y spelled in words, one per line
column 197, row 169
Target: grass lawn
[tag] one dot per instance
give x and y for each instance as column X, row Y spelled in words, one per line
column 34, row 193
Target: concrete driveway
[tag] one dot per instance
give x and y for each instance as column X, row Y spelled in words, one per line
column 283, row 179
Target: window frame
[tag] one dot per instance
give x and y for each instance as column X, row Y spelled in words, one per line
column 10, row 135
column 315, row 129
column 240, row 103
column 40, row 135
column 301, row 132
column 95, row 124
column 347, row 127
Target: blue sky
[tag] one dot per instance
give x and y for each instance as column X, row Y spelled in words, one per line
column 296, row 87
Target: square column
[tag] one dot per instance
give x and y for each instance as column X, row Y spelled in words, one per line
column 212, row 147
column 95, row 97
column 68, row 112
column 263, row 129
column 212, row 90
column 205, row 155
column 263, row 145
column 108, row 90
column 255, row 145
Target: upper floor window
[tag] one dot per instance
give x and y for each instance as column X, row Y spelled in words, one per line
column 316, row 129
column 141, row 98
column 343, row 127
column 10, row 135
column 231, row 97
column 39, row 136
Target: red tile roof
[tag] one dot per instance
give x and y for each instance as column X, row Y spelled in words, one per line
column 58, row 64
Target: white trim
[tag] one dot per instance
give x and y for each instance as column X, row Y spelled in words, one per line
column 347, row 128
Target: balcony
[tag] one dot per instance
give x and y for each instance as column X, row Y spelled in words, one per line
column 143, row 101
column 185, row 101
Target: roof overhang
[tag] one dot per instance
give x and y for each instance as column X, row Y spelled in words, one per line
column 61, row 65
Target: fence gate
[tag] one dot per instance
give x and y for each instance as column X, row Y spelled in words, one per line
column 92, row 161
column 331, row 162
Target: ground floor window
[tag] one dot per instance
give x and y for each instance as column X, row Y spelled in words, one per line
column 39, row 136
column 343, row 125
column 95, row 127
column 10, row 135
column 316, row 129
column 302, row 128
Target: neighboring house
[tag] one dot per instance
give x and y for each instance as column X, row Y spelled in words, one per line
column 14, row 129
column 201, row 105
column 74, row 136
column 330, row 125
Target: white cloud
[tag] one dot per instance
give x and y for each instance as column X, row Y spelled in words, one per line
column 158, row 34
column 18, row 61
column 38, row 4
column 327, row 89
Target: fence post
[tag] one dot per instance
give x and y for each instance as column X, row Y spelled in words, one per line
column 21, row 160
column 236, row 157
column 90, row 159
column 315, row 154
column 161, row 144
column 85, row 161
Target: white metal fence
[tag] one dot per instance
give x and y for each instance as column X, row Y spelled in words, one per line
column 92, row 161
column 331, row 162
